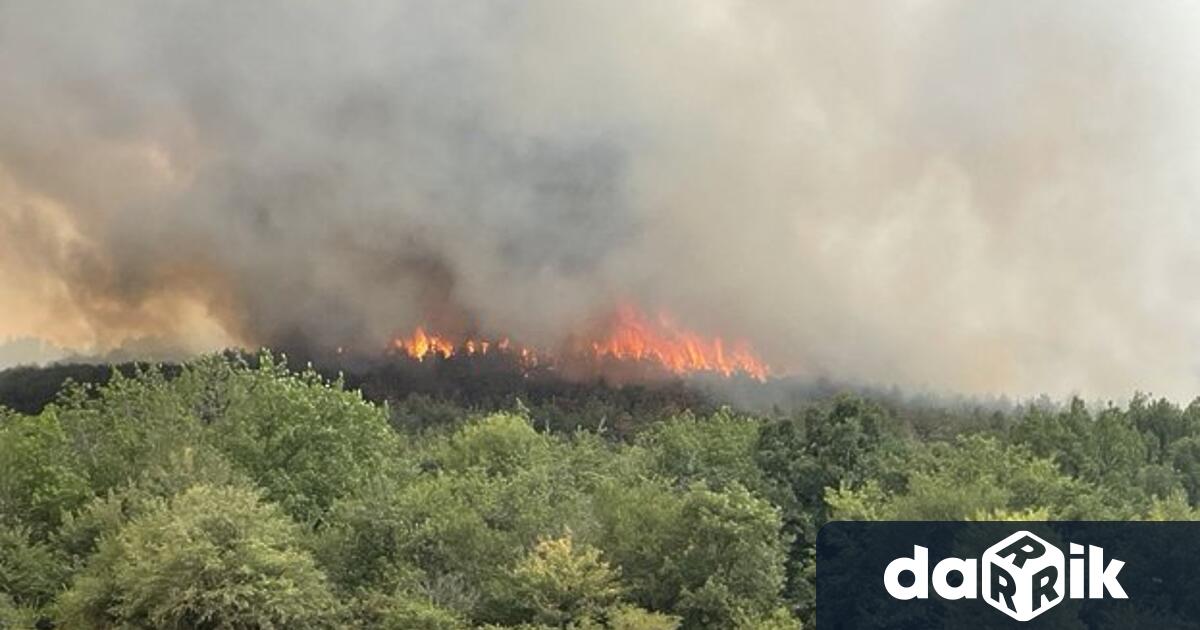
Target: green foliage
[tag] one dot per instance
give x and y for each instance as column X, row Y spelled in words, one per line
column 14, row 616
column 627, row 617
column 637, row 529
column 234, row 492
column 1162, row 423
column 844, row 443
column 778, row 619
column 107, row 514
column 1184, row 455
column 501, row 444
column 31, row 572
column 124, row 426
column 422, row 412
column 560, row 582
column 1106, row 448
column 1173, row 507
column 429, row 535
column 973, row 476
column 305, row 442
column 209, row 558
column 404, row 612
column 709, row 556
column 40, row 479
column 730, row 560
column 718, row 449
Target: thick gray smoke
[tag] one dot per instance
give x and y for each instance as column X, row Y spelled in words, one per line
column 971, row 196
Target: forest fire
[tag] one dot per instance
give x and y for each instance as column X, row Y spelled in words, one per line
column 422, row 345
column 629, row 337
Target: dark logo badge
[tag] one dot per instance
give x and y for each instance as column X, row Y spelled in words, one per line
column 1002, row 574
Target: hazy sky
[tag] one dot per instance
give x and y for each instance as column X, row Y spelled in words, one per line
column 969, row 196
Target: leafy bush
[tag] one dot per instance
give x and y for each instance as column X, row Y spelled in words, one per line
column 40, row 479
column 209, row 558
column 304, row 441
column 560, row 582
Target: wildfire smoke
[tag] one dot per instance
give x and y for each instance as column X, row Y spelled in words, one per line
column 978, row 197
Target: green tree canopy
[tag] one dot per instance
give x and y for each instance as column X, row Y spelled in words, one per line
column 209, row 558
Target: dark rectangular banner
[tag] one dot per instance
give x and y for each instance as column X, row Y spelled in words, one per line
column 982, row 575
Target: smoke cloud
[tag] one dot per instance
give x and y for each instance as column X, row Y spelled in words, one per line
column 978, row 197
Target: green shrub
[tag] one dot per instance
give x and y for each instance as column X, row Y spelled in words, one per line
column 209, row 558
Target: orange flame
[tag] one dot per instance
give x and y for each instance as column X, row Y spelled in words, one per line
column 630, row 337
column 678, row 350
column 420, row 345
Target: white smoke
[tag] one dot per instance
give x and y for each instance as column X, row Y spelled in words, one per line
column 979, row 197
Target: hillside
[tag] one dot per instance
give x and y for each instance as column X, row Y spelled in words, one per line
column 220, row 493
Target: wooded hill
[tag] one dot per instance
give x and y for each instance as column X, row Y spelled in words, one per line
column 234, row 492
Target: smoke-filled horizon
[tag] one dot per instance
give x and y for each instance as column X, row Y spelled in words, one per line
column 973, row 197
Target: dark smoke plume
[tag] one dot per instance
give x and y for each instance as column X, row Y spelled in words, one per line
column 964, row 195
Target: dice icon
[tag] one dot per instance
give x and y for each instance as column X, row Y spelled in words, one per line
column 1023, row 576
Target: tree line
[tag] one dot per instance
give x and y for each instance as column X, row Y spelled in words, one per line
column 227, row 493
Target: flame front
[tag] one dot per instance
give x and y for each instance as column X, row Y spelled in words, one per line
column 679, row 350
column 421, row 345
column 629, row 337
